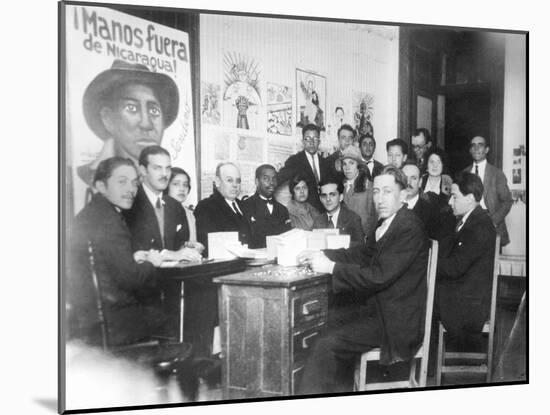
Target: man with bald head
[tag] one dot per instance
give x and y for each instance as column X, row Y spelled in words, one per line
column 497, row 199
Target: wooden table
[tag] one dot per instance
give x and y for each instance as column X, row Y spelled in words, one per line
column 184, row 271
column 269, row 317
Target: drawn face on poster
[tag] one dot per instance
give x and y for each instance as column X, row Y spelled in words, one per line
column 126, row 90
column 310, row 99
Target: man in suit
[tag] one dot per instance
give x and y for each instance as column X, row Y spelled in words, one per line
column 128, row 280
column 337, row 215
column 397, row 150
column 346, row 136
column 222, row 211
column 497, row 198
column 417, row 202
column 310, row 163
column 265, row 215
column 158, row 221
column 367, row 145
column 421, row 141
column 391, row 273
column 464, row 276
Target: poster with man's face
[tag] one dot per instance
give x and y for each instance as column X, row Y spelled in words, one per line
column 128, row 86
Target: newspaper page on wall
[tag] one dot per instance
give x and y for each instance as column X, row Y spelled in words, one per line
column 114, row 57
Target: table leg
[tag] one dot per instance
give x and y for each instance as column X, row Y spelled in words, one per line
column 182, row 308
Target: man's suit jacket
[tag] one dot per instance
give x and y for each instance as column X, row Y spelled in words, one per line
column 392, row 273
column 427, row 213
column 213, row 214
column 130, row 293
column 464, row 276
column 263, row 223
column 349, row 223
column 498, row 199
column 298, row 163
column 143, row 224
column 376, row 170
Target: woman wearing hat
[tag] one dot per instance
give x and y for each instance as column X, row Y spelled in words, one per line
column 358, row 189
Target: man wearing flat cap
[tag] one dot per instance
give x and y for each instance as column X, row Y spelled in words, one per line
column 128, row 107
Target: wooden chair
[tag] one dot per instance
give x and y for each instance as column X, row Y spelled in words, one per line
column 166, row 358
column 485, row 360
column 360, row 381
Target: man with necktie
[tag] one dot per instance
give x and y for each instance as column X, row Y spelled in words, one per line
column 338, row 215
column 265, row 215
column 222, row 211
column 367, row 145
column 391, row 274
column 309, row 163
column 421, row 141
column 497, row 199
column 464, row 275
column 346, row 137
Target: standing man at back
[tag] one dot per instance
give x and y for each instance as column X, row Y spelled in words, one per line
column 421, row 141
column 346, row 135
column 497, row 198
column 310, row 163
column 367, row 145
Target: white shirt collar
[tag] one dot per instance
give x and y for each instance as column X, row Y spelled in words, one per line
column 334, row 217
column 230, row 203
column 411, row 203
column 465, row 217
column 481, row 167
column 152, row 196
column 385, row 225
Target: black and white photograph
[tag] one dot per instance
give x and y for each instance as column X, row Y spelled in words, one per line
column 221, row 244
column 383, row 264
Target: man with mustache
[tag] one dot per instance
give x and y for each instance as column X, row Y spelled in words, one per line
column 130, row 291
column 265, row 214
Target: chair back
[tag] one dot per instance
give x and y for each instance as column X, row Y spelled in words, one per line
column 98, row 298
column 431, row 273
column 492, row 315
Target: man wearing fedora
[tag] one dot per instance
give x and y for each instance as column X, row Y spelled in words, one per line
column 128, row 107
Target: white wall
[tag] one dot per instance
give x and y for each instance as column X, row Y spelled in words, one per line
column 352, row 57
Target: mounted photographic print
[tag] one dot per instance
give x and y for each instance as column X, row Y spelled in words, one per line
column 202, row 227
column 310, row 99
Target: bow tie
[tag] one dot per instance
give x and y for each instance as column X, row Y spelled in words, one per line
column 270, row 201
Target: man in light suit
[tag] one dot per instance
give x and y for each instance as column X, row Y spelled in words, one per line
column 309, row 163
column 337, row 215
column 464, row 276
column 391, row 273
column 497, row 198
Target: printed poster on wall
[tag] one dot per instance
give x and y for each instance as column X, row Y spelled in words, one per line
column 311, row 96
column 363, row 112
column 128, row 86
column 279, row 109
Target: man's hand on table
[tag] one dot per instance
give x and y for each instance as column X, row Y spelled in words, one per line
column 317, row 261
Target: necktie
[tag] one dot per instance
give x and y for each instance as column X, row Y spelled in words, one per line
column 330, row 222
column 348, row 186
column 315, row 172
column 237, row 212
column 459, row 225
column 477, row 170
column 269, row 201
column 159, row 212
column 380, row 231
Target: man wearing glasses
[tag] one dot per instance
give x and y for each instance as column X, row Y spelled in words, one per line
column 310, row 163
column 497, row 199
column 421, row 143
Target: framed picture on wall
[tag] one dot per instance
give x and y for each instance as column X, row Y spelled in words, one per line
column 311, row 99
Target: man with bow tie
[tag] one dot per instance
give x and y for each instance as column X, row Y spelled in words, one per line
column 265, row 215
column 464, row 276
column 391, row 274
column 367, row 145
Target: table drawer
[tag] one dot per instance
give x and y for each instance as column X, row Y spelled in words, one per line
column 309, row 306
column 303, row 342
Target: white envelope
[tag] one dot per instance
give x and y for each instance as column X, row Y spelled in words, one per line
column 217, row 242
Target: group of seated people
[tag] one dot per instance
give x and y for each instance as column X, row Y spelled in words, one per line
column 138, row 218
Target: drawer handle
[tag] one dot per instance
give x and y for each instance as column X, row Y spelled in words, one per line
column 311, row 307
column 305, row 339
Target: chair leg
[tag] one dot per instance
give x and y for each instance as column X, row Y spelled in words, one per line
column 360, row 378
column 440, row 354
column 412, row 375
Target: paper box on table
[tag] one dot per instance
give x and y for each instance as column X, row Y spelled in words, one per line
column 286, row 246
column 217, row 242
column 338, row 241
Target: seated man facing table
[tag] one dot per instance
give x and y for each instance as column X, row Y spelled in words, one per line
column 464, row 276
column 391, row 272
column 265, row 215
column 128, row 279
column 338, row 215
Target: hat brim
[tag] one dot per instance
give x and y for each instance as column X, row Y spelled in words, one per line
column 163, row 86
